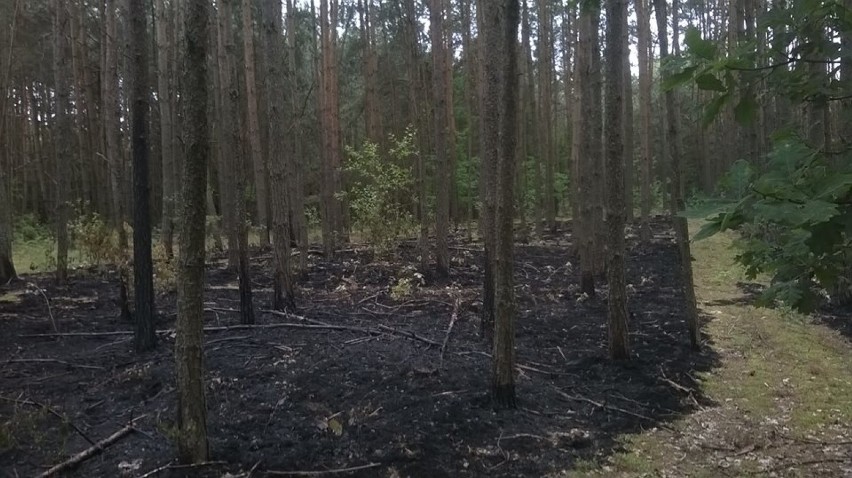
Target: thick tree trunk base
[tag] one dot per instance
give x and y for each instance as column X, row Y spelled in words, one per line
column 504, row 396
column 280, row 300
column 587, row 283
column 7, row 270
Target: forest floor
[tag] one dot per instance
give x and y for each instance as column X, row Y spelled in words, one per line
column 373, row 389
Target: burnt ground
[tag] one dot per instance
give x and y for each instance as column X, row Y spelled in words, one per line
column 313, row 399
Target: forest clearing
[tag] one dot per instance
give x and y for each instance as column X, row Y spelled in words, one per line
column 421, row 238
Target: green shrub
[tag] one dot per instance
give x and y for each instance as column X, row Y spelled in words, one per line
column 378, row 185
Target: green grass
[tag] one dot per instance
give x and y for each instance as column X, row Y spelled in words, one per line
column 779, row 371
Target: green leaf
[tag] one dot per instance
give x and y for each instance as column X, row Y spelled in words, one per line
column 678, row 79
column 713, row 108
column 698, row 46
column 745, row 110
column 710, row 83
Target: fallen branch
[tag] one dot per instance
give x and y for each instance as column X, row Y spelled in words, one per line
column 46, row 300
column 313, row 325
column 579, row 398
column 453, row 318
column 84, row 455
column 409, row 334
column 384, row 328
column 78, row 334
column 323, row 472
column 52, row 412
column 44, row 360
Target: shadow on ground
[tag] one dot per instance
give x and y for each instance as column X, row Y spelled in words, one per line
column 299, row 399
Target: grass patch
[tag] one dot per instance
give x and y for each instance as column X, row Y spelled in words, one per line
column 779, row 372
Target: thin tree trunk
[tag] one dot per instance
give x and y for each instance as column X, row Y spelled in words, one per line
column 616, row 26
column 261, row 173
column 189, row 339
column 441, row 117
column 283, row 294
column 643, row 16
column 545, row 123
column 63, row 135
column 237, row 164
column 676, row 203
column 167, row 141
column 502, row 42
column 628, row 127
column 143, row 277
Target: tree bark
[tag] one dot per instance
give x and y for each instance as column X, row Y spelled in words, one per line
column 189, row 366
column 283, row 289
column 143, row 277
column 167, row 138
column 616, row 26
column 545, row 102
column 260, row 168
column 441, row 120
column 643, row 17
column 585, row 156
column 237, row 164
column 676, row 202
column 502, row 75
column 63, row 135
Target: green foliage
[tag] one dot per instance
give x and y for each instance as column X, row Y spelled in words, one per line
column 28, row 229
column 795, row 222
column 735, row 183
column 378, row 189
column 95, row 240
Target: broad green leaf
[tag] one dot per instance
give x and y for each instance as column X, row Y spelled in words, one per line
column 698, row 46
column 713, row 108
column 745, row 110
column 678, row 79
column 710, row 83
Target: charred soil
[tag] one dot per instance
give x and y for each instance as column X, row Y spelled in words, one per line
column 374, row 394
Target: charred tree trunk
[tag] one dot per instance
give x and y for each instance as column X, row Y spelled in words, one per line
column 283, row 289
column 616, row 26
column 441, row 120
column 676, row 201
column 63, row 136
column 167, row 138
column 143, row 277
column 189, row 339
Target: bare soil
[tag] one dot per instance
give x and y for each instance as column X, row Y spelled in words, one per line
column 311, row 399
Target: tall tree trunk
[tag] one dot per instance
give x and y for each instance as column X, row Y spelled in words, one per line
column 332, row 215
column 143, row 277
column 63, row 136
column 167, row 139
column 297, row 193
column 676, row 203
column 189, row 339
column 237, row 164
column 643, row 16
column 413, row 76
column 628, row 127
column 500, row 25
column 585, row 151
column 283, row 294
column 225, row 150
column 531, row 121
column 261, row 174
column 545, row 123
column 372, row 119
column 7, row 266
column 441, row 119
column 616, row 26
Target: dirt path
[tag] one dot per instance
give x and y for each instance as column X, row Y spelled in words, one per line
column 782, row 397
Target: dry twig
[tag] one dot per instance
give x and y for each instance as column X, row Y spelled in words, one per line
column 323, row 472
